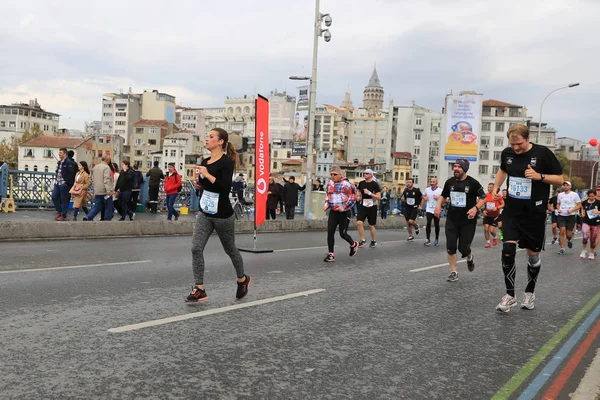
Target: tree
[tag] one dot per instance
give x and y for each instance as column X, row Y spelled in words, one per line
column 577, row 183
column 9, row 149
column 564, row 162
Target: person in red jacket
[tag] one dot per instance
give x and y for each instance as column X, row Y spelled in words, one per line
column 172, row 185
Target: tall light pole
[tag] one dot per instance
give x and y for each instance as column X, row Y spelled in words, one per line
column 570, row 85
column 318, row 31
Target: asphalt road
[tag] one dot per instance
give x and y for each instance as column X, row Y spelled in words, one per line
column 376, row 331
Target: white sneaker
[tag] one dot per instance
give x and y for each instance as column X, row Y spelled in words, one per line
column 528, row 300
column 591, row 256
column 583, row 255
column 506, row 304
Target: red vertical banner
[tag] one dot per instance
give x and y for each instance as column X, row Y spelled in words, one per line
column 263, row 162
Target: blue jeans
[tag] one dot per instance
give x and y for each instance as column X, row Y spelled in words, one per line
column 171, row 206
column 124, row 199
column 60, row 198
column 100, row 200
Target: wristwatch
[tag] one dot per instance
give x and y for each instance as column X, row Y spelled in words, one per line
column 543, row 177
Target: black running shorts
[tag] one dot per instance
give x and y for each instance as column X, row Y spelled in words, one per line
column 368, row 213
column 567, row 221
column 493, row 221
column 411, row 213
column 526, row 227
column 554, row 218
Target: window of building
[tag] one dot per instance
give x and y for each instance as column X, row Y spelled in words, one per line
column 46, row 168
column 120, row 114
column 138, row 142
column 396, row 175
column 14, row 111
column 173, row 153
column 2, row 124
column 121, row 105
column 484, row 155
column 28, row 153
column 153, row 131
column 121, row 123
column 26, row 167
column 417, row 135
column 166, row 153
column 485, row 126
column 497, row 155
column 139, row 153
column 118, row 132
column 419, row 121
column 417, row 150
column 166, row 166
column 275, row 165
column 107, row 105
column 485, row 140
column 369, row 150
column 149, row 164
column 139, row 130
column 495, row 169
column 549, row 140
column 483, row 169
column 99, row 153
column 499, row 141
column 416, row 164
column 48, row 153
column 152, row 142
column 499, row 126
column 35, row 168
column 181, row 166
column 107, row 114
column 181, row 153
column 12, row 124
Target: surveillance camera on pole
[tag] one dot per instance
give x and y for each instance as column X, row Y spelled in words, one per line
column 326, row 35
column 326, row 19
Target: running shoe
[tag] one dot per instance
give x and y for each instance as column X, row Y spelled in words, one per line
column 471, row 263
column 373, row 244
column 417, row 230
column 362, row 243
column 488, row 245
column 427, row 242
column 436, row 242
column 554, row 240
column 583, row 255
column 528, row 300
column 410, row 238
column 242, row 287
column 501, row 235
column 196, row 295
column 506, row 304
column 592, row 256
column 495, row 241
column 562, row 252
column 570, row 244
column 453, row 277
column 353, row 249
column 329, row 258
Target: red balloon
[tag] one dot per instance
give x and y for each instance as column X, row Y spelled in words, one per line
column 593, row 142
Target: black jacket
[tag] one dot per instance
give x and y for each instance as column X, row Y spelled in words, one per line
column 155, row 175
column 125, row 181
column 68, row 171
column 273, row 196
column 290, row 193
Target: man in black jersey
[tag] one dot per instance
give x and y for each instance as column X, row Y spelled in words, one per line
column 530, row 169
column 411, row 200
column 367, row 195
column 466, row 197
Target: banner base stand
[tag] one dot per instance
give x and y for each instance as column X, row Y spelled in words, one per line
column 256, row 251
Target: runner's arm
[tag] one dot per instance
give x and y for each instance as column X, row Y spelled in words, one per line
column 423, row 200
column 500, row 178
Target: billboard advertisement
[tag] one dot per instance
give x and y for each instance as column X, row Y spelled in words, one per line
column 463, row 127
column 299, row 144
column 263, row 162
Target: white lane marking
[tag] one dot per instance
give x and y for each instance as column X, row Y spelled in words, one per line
column 324, row 247
column 163, row 321
column 74, row 267
column 588, row 387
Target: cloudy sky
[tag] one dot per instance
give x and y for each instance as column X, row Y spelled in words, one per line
column 68, row 53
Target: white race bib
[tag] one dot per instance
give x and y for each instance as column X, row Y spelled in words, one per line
column 458, row 199
column 368, row 203
column 410, row 201
column 490, row 205
column 519, row 188
column 591, row 215
column 431, row 206
column 209, row 203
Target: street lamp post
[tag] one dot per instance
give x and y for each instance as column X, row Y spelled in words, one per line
column 318, row 31
column 570, row 85
column 592, row 180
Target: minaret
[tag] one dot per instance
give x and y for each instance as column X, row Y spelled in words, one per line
column 373, row 94
column 347, row 103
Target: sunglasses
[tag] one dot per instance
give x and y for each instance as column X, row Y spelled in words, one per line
column 333, row 174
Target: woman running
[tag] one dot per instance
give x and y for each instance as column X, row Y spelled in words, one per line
column 216, row 212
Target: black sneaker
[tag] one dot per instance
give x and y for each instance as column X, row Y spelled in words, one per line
column 329, row 258
column 373, row 244
column 176, row 217
column 417, row 230
column 353, row 249
column 196, row 295
column 242, row 289
column 453, row 277
column 471, row 264
column 410, row 238
column 362, row 243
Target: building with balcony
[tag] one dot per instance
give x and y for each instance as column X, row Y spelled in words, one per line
column 401, row 171
column 369, row 138
column 240, row 116
column 17, row 118
column 546, row 136
column 146, row 141
column 120, row 111
column 570, row 147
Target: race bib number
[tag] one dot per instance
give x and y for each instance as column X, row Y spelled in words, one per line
column 209, row 203
column 368, row 203
column 431, row 206
column 519, row 188
column 410, row 201
column 490, row 205
column 591, row 215
column 336, row 198
column 458, row 199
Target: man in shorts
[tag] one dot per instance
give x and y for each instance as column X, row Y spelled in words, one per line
column 467, row 197
column 410, row 206
column 553, row 210
column 491, row 213
column 568, row 205
column 430, row 198
column 590, row 227
column 530, row 169
column 367, row 195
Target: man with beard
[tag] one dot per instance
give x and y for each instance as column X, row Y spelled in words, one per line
column 467, row 197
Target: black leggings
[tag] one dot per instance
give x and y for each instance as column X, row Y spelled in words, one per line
column 271, row 213
column 436, row 221
column 343, row 220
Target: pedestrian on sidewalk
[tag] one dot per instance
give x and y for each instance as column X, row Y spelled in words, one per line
column 155, row 175
column 123, row 189
column 172, row 188
column 290, row 196
column 384, row 202
column 341, row 197
column 216, row 213
column 272, row 197
column 62, row 185
column 79, row 191
column 138, row 179
column 103, row 190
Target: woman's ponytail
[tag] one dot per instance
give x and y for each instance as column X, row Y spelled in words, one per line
column 233, row 155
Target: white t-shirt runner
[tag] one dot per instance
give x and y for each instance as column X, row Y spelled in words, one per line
column 566, row 202
column 431, row 201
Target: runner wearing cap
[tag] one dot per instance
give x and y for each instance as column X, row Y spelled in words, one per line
column 568, row 204
column 530, row 169
column 410, row 206
column 430, row 199
column 467, row 197
column 367, row 195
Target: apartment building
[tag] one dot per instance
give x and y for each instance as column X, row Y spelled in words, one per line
column 175, row 149
column 192, row 121
column 369, row 139
column 17, row 118
column 41, row 154
column 147, row 140
column 281, row 115
column 240, row 116
column 120, row 111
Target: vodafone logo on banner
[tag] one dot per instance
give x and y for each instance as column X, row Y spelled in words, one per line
column 261, row 183
column 263, row 163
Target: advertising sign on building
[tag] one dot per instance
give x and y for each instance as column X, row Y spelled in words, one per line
column 301, row 122
column 463, row 125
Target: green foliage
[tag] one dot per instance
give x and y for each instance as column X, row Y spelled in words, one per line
column 9, row 149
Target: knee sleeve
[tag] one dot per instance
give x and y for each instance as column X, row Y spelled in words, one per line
column 509, row 251
column 534, row 260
